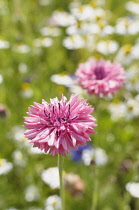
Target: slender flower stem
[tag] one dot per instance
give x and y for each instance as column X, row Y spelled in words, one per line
column 95, row 188
column 95, row 169
column 60, row 167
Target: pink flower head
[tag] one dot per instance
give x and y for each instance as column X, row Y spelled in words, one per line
column 100, row 77
column 59, row 125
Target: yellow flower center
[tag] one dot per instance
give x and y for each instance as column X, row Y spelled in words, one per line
column 127, row 48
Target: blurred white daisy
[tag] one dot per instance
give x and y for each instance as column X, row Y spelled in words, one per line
column 1, row 79
column 70, row 82
column 17, row 134
column 31, row 193
column 113, row 107
column 76, row 89
column 35, row 150
column 133, row 7
column 107, row 47
column 107, row 30
column 5, row 166
column 43, row 42
column 63, row 79
column 50, row 31
column 27, row 93
column 133, row 189
column 126, row 25
column 132, row 106
column 61, row 18
column 51, row 177
column 127, row 110
column 83, row 12
column 4, row 44
column 18, row 158
column 124, row 55
column 53, row 202
column 26, row 90
column 21, row 48
column 97, row 155
column 73, row 42
column 23, row 68
column 132, row 75
column 135, row 50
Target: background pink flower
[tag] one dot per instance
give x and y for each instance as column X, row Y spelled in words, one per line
column 100, row 77
column 60, row 125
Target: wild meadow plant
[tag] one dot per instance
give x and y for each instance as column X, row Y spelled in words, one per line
column 87, row 48
column 58, row 126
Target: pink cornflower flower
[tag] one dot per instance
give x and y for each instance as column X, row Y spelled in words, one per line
column 57, row 126
column 100, row 77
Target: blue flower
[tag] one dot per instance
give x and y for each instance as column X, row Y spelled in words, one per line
column 76, row 155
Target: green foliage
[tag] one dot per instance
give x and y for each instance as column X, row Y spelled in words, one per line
column 21, row 22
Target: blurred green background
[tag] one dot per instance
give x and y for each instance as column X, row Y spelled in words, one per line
column 28, row 59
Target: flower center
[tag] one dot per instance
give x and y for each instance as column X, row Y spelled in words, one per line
column 59, row 117
column 99, row 72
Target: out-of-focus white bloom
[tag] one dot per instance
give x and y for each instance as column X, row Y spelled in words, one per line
column 133, row 7
column 4, row 44
column 11, row 208
column 108, row 30
column 100, row 13
column 132, row 106
column 84, row 28
column 124, row 55
column 74, row 42
column 63, row 79
column 50, row 31
column 21, row 48
column 17, row 134
column 126, row 110
column 19, row 158
column 70, row 82
column 133, row 189
column 83, row 12
column 117, row 110
column 74, row 4
column 132, row 75
column 1, row 79
column 35, row 150
column 31, row 193
column 90, row 42
column 43, row 42
column 23, row 68
column 76, row 89
column 53, row 202
column 44, row 2
column 51, row 177
column 135, row 51
column 107, row 47
column 97, row 155
column 26, row 93
column 127, row 25
column 5, row 166
column 26, row 90
column 87, row 13
column 61, row 18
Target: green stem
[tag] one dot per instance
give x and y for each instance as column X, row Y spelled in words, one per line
column 60, row 167
column 95, row 190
